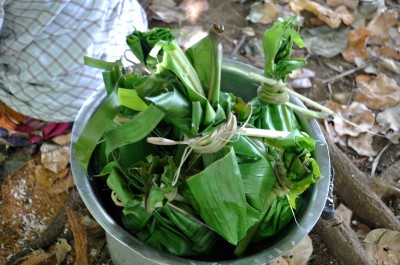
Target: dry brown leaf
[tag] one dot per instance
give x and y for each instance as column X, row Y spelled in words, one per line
column 167, row 11
column 278, row 261
column 379, row 25
column 356, row 113
column 362, row 230
column 325, row 14
column 264, row 13
column 301, row 253
column 357, row 45
column 61, row 250
column 362, row 144
column 392, row 52
column 62, row 185
column 381, row 92
column 55, row 157
column 383, row 246
column 344, row 213
column 390, row 123
column 194, row 8
column 349, row 3
column 344, row 14
column 63, row 139
column 390, row 65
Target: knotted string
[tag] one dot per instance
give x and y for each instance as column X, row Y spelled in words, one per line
column 206, row 144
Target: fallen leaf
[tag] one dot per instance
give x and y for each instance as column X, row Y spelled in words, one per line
column 61, row 185
column 381, row 23
column 390, row 65
column 357, row 45
column 167, row 11
column 356, row 113
column 301, row 78
column 301, row 253
column 264, row 13
column 390, row 52
column 344, row 14
column 383, row 246
column 323, row 13
column 63, row 139
column 325, row 41
column 61, row 250
column 194, row 8
column 362, row 230
column 362, row 144
column 278, row 261
column 333, row 135
column 344, row 213
column 390, row 122
column 48, row 178
column 349, row 3
column 379, row 93
column 54, row 157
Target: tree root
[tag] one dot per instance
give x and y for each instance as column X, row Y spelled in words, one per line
column 342, row 241
column 52, row 232
column 353, row 187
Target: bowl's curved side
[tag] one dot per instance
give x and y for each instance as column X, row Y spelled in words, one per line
column 125, row 248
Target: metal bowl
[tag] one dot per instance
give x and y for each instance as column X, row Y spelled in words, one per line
column 125, row 249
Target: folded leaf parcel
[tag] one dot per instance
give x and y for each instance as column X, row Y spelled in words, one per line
column 188, row 164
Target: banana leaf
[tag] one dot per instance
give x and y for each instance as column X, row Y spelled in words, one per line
column 279, row 215
column 220, row 194
column 278, row 117
column 257, row 173
column 206, row 58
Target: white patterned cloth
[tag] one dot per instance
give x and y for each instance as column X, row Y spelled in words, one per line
column 42, row 45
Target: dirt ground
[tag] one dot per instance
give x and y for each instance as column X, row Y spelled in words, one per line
column 28, row 209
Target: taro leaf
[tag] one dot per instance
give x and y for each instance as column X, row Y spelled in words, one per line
column 257, row 173
column 383, row 246
column 219, row 192
column 134, row 130
column 325, row 41
column 206, row 58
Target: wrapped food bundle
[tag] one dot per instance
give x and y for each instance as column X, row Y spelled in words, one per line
column 188, row 164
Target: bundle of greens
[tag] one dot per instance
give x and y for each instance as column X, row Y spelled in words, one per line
column 188, row 163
